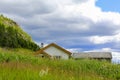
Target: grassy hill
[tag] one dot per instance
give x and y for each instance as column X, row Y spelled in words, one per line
column 12, row 36
column 21, row 64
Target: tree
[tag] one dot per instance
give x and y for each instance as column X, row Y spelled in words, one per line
column 12, row 36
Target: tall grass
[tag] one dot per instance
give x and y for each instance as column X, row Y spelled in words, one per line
column 21, row 66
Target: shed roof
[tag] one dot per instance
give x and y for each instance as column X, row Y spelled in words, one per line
column 92, row 55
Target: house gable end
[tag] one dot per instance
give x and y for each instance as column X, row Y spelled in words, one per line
column 58, row 47
column 54, row 50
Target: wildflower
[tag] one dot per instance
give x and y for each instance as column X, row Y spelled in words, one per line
column 43, row 72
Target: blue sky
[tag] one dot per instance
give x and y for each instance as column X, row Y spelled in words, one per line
column 109, row 5
column 77, row 25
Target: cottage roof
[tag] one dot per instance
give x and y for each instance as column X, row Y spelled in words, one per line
column 53, row 45
column 92, row 55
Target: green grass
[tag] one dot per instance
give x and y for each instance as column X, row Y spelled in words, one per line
column 21, row 64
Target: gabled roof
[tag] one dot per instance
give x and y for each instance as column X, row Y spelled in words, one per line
column 54, row 45
column 93, row 55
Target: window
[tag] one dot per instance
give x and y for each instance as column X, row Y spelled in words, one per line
column 41, row 55
column 57, row 57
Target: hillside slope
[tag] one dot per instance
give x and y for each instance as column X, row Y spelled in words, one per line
column 12, row 36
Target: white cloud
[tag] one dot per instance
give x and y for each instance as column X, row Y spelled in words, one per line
column 100, row 40
column 105, row 39
column 75, row 50
column 116, row 57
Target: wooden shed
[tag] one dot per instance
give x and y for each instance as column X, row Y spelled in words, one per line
column 93, row 55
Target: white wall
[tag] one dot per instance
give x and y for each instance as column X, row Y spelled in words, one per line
column 53, row 51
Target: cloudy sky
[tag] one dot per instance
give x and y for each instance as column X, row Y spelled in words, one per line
column 77, row 25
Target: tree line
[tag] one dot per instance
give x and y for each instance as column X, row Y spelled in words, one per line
column 10, row 37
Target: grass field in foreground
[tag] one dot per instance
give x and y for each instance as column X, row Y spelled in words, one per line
column 20, row 64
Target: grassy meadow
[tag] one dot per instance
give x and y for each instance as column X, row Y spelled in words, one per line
column 21, row 64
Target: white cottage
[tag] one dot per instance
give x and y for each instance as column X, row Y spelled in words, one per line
column 53, row 51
